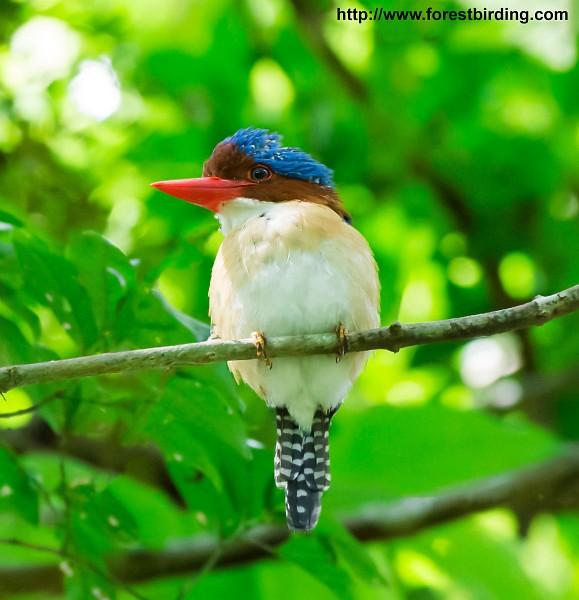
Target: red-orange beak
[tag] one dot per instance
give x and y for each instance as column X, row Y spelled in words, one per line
column 209, row 192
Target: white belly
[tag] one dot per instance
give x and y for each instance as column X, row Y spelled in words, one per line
column 301, row 294
column 271, row 277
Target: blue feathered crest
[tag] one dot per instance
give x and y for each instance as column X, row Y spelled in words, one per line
column 265, row 148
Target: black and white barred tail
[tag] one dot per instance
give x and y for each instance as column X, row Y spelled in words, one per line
column 302, row 467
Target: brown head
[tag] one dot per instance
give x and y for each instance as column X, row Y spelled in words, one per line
column 253, row 164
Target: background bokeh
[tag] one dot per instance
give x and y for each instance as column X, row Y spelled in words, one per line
column 455, row 147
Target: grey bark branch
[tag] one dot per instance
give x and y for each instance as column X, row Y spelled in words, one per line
column 396, row 336
column 550, row 485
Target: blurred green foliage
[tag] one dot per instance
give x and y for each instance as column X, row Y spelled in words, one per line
column 455, row 148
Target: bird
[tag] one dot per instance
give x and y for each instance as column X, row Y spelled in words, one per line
column 290, row 263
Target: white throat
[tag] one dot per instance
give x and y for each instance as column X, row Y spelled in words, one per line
column 235, row 213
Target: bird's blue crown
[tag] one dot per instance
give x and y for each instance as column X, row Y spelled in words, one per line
column 265, row 148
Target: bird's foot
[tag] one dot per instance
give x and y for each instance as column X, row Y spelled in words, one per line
column 259, row 342
column 342, row 335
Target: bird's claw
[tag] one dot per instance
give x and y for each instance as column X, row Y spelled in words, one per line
column 259, row 342
column 342, row 335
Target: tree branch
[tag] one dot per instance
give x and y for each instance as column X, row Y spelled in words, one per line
column 396, row 336
column 539, row 486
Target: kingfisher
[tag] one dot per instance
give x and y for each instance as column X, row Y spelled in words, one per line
column 290, row 263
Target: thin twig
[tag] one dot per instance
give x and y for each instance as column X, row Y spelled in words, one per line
column 29, row 409
column 31, row 546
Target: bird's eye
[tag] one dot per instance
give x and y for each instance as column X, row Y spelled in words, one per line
column 259, row 173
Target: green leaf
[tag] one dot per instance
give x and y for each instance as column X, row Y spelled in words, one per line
column 14, row 348
column 203, row 412
column 17, row 490
column 198, row 329
column 9, row 221
column 313, row 554
column 88, row 581
column 204, row 441
column 109, row 279
column 100, row 522
column 159, row 324
column 52, row 281
column 352, row 553
column 13, row 301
